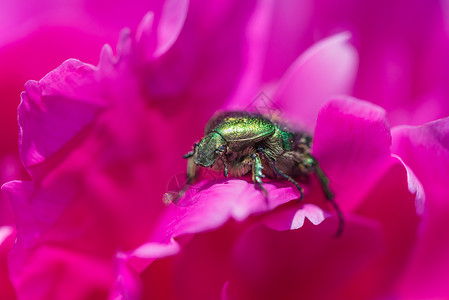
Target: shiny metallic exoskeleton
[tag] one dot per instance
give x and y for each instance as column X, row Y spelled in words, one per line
column 241, row 142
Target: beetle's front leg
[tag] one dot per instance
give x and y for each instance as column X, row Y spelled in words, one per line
column 257, row 173
column 191, row 172
column 191, row 153
column 223, row 160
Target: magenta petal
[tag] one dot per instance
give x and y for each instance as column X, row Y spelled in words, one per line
column 127, row 285
column 198, row 271
column 301, row 264
column 61, row 245
column 170, row 24
column 289, row 218
column 352, row 143
column 36, row 211
column 7, row 237
column 55, row 109
column 141, row 257
column 415, row 187
column 62, row 273
column 209, row 208
column 10, row 168
column 425, row 149
column 326, row 69
column 159, row 30
column 5, row 232
column 391, row 204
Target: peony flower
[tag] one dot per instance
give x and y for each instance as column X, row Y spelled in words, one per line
column 101, row 143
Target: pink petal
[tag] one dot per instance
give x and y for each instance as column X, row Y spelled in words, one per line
column 391, row 204
column 144, row 255
column 210, row 207
column 7, row 237
column 55, row 109
column 10, row 169
column 289, row 218
column 201, row 65
column 289, row 36
column 415, row 187
column 352, row 144
column 36, row 211
column 63, row 274
column 425, row 149
column 31, row 58
column 300, row 264
column 402, row 48
column 204, row 258
column 159, row 30
column 61, row 243
column 326, row 69
column 127, row 285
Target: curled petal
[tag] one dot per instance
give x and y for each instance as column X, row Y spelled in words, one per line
column 325, row 70
column 159, row 30
column 7, row 237
column 415, row 187
column 352, row 143
column 127, row 285
column 390, row 203
column 288, row 218
column 55, row 109
column 141, row 257
column 425, row 149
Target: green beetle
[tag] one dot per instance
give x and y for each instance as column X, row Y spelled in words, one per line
column 238, row 142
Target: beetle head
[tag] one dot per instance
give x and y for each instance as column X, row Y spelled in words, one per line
column 207, row 149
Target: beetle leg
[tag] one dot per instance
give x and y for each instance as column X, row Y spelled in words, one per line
column 289, row 178
column 257, row 173
column 192, row 170
column 324, row 181
column 191, row 153
column 279, row 172
column 225, row 171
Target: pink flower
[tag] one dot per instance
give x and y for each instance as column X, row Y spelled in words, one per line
column 101, row 142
